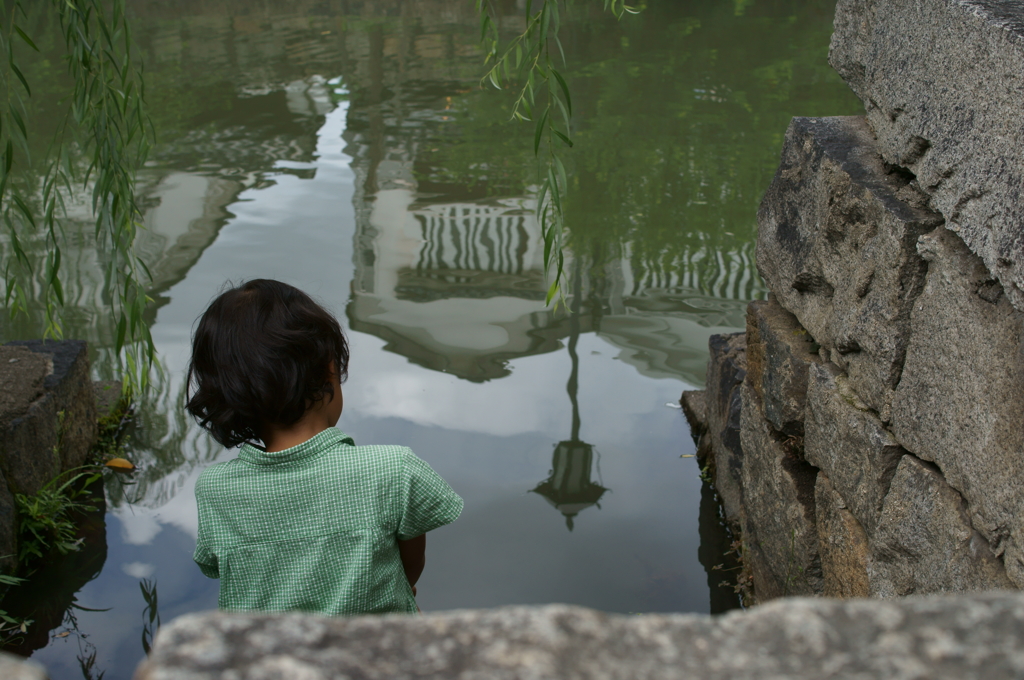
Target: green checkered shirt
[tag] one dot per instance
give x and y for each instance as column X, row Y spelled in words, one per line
column 314, row 527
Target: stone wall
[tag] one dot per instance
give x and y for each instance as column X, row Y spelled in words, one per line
column 881, row 396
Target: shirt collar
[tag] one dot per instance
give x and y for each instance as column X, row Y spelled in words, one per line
column 308, row 449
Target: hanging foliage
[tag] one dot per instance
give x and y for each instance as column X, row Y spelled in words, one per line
column 527, row 63
column 104, row 122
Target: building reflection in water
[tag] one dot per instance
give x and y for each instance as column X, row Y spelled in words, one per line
column 570, row 487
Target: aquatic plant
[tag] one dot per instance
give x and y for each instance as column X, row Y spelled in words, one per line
column 46, row 518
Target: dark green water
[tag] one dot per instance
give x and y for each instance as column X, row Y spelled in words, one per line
column 345, row 147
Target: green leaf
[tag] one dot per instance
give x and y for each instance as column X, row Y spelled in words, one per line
column 19, row 122
column 58, row 289
column 122, row 325
column 556, row 194
column 540, row 200
column 23, row 209
column 564, row 88
column 563, row 138
column 561, row 50
column 565, row 112
column 17, row 72
column 539, row 131
column 24, row 36
column 552, row 291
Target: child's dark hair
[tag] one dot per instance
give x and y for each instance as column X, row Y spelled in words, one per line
column 261, row 354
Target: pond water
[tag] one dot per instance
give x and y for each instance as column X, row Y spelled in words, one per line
column 346, row 147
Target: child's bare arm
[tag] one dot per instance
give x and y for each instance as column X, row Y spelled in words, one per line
column 414, row 556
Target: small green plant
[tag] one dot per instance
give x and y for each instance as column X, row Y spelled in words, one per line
column 11, row 627
column 46, row 520
column 110, row 431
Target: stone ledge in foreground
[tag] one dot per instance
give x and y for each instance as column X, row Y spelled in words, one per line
column 954, row 637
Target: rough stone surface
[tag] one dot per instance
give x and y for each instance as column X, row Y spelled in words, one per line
column 16, row 668
column 940, row 638
column 849, row 443
column 941, row 82
column 727, row 367
column 29, row 451
column 960, row 400
column 8, row 529
column 695, row 407
column 836, row 244
column 55, row 431
column 778, row 356
column 22, row 373
column 924, row 543
column 842, row 543
column 779, row 529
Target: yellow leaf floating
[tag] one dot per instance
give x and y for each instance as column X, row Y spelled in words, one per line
column 120, row 464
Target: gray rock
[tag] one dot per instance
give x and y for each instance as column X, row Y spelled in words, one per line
column 941, row 82
column 836, row 245
column 940, row 638
column 842, row 543
column 22, row 373
column 961, row 397
column 55, row 431
column 849, row 444
column 924, row 543
column 727, row 367
column 16, row 668
column 29, row 447
column 8, row 530
column 695, row 407
column 778, row 356
column 780, row 536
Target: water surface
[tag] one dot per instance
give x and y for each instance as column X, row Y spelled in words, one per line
column 347, row 148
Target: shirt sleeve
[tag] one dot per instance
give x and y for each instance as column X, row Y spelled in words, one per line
column 429, row 502
column 206, row 560
column 203, row 556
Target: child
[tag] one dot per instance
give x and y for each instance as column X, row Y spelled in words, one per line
column 303, row 519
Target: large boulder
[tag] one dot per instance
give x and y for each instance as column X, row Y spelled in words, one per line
column 941, row 82
column 836, row 244
column 960, row 400
column 941, row 638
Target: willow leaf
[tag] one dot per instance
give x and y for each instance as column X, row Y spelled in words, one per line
column 565, row 89
column 539, row 131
